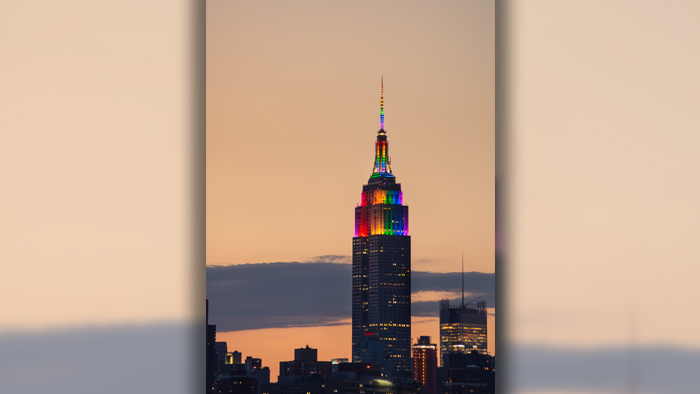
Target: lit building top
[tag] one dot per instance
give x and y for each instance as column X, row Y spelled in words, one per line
column 381, row 210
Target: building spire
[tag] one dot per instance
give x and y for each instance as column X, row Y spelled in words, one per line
column 381, row 112
column 382, row 164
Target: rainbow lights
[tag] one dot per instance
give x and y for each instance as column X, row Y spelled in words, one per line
column 381, row 219
column 383, row 156
column 381, row 112
column 382, row 164
column 381, row 211
column 377, row 160
column 380, row 160
column 376, row 197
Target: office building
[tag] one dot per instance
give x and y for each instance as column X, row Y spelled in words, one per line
column 306, row 363
column 361, row 369
column 425, row 364
column 252, row 364
column 238, row 385
column 221, row 350
column 336, row 361
column 468, row 373
column 462, row 329
column 233, row 357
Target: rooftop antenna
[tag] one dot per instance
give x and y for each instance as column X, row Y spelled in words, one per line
column 381, row 112
column 462, row 279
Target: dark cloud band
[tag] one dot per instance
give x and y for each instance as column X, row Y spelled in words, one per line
column 268, row 295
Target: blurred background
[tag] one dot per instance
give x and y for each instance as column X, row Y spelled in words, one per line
column 598, row 153
column 101, row 209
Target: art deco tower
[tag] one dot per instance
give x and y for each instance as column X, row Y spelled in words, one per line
column 381, row 269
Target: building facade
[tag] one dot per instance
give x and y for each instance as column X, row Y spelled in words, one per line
column 347, row 384
column 425, row 364
column 381, row 297
column 238, row 385
column 306, row 363
column 221, row 351
column 462, row 329
column 233, row 357
column 468, row 373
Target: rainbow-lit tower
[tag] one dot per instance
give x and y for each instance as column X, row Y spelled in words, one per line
column 381, row 269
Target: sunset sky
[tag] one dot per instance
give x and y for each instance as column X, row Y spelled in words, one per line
column 292, row 115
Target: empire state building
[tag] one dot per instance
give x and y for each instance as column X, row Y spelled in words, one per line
column 381, row 269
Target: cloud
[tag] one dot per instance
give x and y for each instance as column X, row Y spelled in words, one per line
column 426, row 261
column 477, row 284
column 331, row 258
column 295, row 294
column 251, row 296
column 652, row 369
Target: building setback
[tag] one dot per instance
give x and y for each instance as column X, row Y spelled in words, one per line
column 381, row 259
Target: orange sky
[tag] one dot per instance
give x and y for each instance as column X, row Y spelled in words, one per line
column 278, row 344
column 293, row 111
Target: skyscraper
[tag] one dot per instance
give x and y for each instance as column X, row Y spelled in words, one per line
column 425, row 364
column 381, row 259
column 462, row 329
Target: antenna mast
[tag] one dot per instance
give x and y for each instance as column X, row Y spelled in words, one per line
column 462, row 279
column 381, row 112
